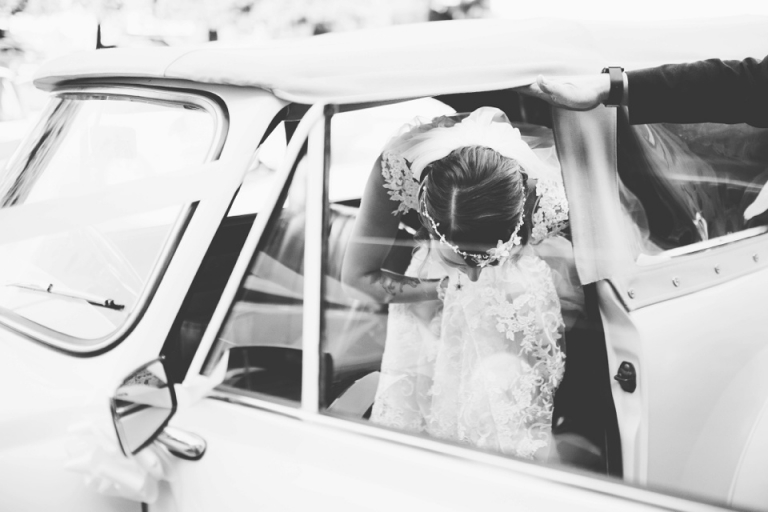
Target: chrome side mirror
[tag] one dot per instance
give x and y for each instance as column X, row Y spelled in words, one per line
column 142, row 406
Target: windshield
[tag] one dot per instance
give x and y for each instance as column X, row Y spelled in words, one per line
column 87, row 147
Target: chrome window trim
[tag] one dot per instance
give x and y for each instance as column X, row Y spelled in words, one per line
column 644, row 260
column 75, row 346
column 670, row 278
column 561, row 475
column 316, row 215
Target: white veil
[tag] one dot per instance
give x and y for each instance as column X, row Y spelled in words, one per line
column 482, row 366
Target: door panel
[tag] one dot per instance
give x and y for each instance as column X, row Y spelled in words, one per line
column 267, row 460
column 701, row 384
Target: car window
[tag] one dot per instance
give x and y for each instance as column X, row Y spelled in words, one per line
column 89, row 142
column 83, row 280
column 689, row 183
column 203, row 295
column 263, row 328
column 379, row 360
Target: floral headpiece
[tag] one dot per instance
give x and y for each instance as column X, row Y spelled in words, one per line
column 423, row 142
column 500, row 253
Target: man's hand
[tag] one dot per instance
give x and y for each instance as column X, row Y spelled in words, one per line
column 573, row 92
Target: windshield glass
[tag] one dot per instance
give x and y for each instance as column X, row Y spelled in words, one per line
column 87, row 147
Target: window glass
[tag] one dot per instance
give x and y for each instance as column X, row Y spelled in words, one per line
column 84, row 279
column 205, row 292
column 84, row 282
column 355, row 326
column 691, row 182
column 86, row 143
column 388, row 364
column 263, row 329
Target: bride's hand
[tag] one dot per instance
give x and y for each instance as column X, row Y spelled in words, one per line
column 573, row 93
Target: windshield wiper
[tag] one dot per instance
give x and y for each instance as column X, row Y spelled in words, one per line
column 73, row 294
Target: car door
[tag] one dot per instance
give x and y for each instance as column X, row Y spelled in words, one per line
column 274, row 440
column 109, row 208
column 681, row 280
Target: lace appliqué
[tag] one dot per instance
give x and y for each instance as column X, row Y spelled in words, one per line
column 533, row 320
column 399, row 182
column 482, row 367
column 551, row 215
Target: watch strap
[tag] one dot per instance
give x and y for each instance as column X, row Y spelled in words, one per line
column 616, row 91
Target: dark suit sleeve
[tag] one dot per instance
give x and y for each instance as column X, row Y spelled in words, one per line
column 707, row 91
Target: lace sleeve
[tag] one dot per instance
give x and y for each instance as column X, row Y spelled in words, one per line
column 550, row 215
column 399, row 182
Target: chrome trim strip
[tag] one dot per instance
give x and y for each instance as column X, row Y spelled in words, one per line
column 86, row 348
column 313, row 265
column 644, row 260
column 562, row 475
column 675, row 277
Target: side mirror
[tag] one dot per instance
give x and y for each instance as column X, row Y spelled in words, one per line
column 142, row 406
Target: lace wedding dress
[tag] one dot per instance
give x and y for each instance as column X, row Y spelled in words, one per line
column 481, row 366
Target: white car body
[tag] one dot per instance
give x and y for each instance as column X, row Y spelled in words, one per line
column 683, row 431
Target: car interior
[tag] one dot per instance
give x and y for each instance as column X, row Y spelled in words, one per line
column 264, row 344
column 694, row 181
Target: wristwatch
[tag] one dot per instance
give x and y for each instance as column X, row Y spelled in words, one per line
column 616, row 92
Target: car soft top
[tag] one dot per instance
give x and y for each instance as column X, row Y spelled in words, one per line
column 422, row 59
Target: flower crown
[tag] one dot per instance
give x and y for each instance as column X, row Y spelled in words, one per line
column 501, row 253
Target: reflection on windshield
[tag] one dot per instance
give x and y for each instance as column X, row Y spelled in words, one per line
column 86, row 147
column 33, row 156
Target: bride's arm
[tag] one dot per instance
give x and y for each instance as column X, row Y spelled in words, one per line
column 372, row 238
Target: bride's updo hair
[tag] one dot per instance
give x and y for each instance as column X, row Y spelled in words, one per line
column 476, row 196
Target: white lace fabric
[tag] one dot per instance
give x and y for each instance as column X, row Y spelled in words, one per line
column 550, row 216
column 400, row 183
column 483, row 368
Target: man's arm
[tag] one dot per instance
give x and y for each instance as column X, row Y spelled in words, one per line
column 712, row 90
column 706, row 91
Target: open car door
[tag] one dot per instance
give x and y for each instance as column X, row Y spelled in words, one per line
column 682, row 282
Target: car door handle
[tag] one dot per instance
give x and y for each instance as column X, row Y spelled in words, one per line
column 627, row 377
column 182, row 444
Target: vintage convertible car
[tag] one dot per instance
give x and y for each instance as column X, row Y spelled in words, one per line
column 194, row 205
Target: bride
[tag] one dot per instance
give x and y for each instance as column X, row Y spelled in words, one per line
column 474, row 350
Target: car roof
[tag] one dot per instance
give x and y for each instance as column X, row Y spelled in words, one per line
column 422, row 59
